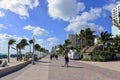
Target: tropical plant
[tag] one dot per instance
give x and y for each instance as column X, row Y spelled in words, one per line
column 10, row 42
column 30, row 42
column 102, row 56
column 105, row 36
column 86, row 37
column 17, row 48
column 67, row 43
column 37, row 47
column 21, row 45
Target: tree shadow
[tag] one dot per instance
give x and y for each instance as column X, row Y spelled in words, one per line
column 44, row 61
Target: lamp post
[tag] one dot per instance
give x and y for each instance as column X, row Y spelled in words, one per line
column 33, row 50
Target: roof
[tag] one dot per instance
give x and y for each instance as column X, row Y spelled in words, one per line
column 91, row 49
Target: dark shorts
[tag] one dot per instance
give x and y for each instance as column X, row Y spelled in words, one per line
column 66, row 60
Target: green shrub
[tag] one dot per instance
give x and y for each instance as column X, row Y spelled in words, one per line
column 101, row 56
column 85, row 59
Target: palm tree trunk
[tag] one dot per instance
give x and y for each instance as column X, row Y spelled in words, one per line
column 81, row 44
column 20, row 56
column 103, row 46
column 17, row 54
column 85, row 42
column 8, row 54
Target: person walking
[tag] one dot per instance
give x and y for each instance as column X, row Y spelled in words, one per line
column 51, row 56
column 66, row 58
column 56, row 56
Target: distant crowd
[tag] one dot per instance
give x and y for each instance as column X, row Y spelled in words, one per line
column 53, row 55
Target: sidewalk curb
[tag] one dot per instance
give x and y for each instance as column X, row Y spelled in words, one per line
column 11, row 69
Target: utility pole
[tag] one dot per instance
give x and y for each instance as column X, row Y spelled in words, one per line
column 33, row 50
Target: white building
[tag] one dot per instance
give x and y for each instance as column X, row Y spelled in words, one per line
column 72, row 38
column 116, row 20
column 96, row 40
column 115, row 31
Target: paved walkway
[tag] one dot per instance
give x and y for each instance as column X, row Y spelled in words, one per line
column 39, row 71
column 54, row 70
column 113, row 65
column 80, row 71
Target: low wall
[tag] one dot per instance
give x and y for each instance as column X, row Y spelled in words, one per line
column 11, row 69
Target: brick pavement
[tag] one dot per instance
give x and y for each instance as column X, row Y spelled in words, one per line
column 80, row 71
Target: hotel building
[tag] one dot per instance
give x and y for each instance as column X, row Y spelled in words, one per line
column 116, row 20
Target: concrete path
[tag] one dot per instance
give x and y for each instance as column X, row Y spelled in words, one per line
column 113, row 65
column 39, row 71
column 54, row 70
column 80, row 71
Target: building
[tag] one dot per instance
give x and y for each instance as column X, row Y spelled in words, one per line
column 74, row 40
column 116, row 20
column 115, row 31
column 96, row 40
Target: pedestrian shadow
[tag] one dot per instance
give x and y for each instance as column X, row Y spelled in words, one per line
column 65, row 66
column 74, row 67
column 54, row 65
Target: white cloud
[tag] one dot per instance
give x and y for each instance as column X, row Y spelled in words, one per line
column 77, row 26
column 82, row 21
column 110, row 6
column 4, row 38
column 7, row 37
column 19, row 7
column 52, row 39
column 64, row 9
column 2, row 26
column 38, row 31
column 92, row 15
column 40, row 41
column 2, row 14
column 112, row 0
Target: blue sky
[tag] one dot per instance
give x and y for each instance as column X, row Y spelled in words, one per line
column 51, row 20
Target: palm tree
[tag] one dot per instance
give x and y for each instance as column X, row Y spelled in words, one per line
column 21, row 45
column 67, row 43
column 86, row 35
column 30, row 42
column 117, row 41
column 37, row 47
column 42, row 49
column 10, row 42
column 17, row 48
column 61, row 49
column 104, row 37
column 117, row 38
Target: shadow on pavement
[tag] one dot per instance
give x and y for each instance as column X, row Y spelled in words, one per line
column 74, row 67
column 44, row 61
column 67, row 67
